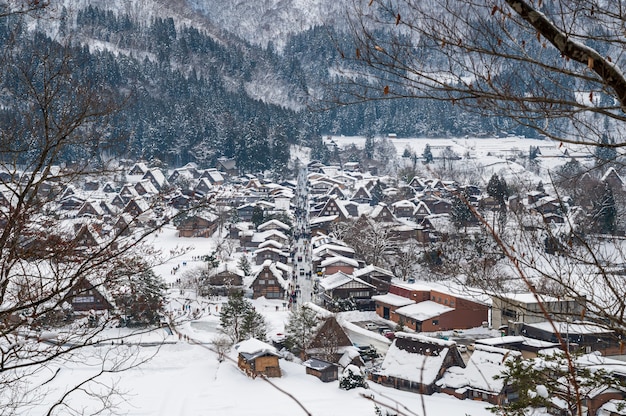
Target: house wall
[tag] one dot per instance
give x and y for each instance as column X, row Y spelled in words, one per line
column 332, row 269
column 505, row 310
column 594, row 404
column 267, row 365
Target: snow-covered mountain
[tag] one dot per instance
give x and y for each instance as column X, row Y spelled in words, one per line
column 270, row 20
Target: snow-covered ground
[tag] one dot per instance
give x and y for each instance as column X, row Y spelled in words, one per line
column 183, row 376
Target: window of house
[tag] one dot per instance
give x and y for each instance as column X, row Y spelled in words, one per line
column 509, row 313
column 452, row 303
column 84, row 299
column 445, row 301
column 261, row 282
column 270, row 282
column 360, row 294
column 435, row 321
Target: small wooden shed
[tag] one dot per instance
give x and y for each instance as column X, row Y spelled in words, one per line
column 321, row 369
column 257, row 357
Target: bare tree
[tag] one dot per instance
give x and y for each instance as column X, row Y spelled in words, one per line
column 53, row 129
column 556, row 68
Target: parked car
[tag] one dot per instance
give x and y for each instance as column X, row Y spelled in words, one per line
column 368, row 352
column 461, row 348
column 389, row 334
column 371, row 326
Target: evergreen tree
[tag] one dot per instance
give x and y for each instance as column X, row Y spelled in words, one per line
column 239, row 320
column 258, row 216
column 544, row 381
column 498, row 189
column 461, row 213
column 605, row 152
column 377, row 194
column 369, row 147
column 606, row 211
column 301, row 328
column 244, row 264
column 140, row 295
column 427, row 154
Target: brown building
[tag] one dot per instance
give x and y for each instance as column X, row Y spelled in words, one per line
column 85, row 297
column 415, row 363
column 256, row 357
column 321, row 369
column 271, row 280
column 197, row 226
column 424, row 308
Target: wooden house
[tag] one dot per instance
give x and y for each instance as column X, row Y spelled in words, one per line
column 270, row 281
column 157, row 178
column 197, row 226
column 222, row 281
column 415, row 363
column 382, row 213
column 271, row 254
column 377, row 276
column 321, row 369
column 136, row 207
column 330, row 342
column 145, row 188
column 403, row 208
column 338, row 263
column 85, row 297
column 226, row 165
column 274, row 224
column 203, row 186
column 334, row 207
column 90, row 209
column 138, row 168
column 256, row 357
column 476, row 381
column 421, row 211
column 341, row 286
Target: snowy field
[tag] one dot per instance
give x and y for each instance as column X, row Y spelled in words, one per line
column 183, row 376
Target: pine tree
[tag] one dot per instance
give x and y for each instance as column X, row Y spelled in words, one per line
column 461, row 213
column 244, row 264
column 606, row 211
column 139, row 295
column 239, row 320
column 428, row 154
column 498, row 189
column 301, row 328
column 542, row 382
column 605, row 152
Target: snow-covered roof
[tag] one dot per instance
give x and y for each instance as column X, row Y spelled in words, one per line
column 339, row 279
column 275, row 223
column 423, row 310
column 371, row 268
column 484, row 364
column 420, row 364
column 265, row 235
column 339, row 259
column 252, row 348
column 393, row 300
column 321, row 220
column 571, row 327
